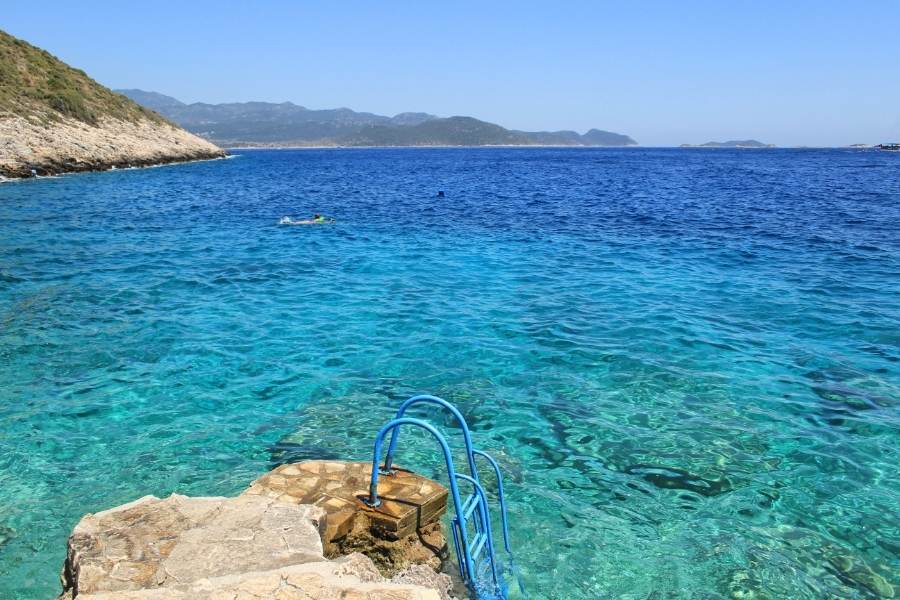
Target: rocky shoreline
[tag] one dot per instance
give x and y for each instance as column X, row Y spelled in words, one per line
column 296, row 533
column 30, row 148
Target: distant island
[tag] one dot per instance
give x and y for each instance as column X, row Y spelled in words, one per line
column 731, row 144
column 268, row 124
column 56, row 119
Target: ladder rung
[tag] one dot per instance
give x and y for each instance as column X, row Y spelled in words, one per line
column 478, row 544
column 469, row 505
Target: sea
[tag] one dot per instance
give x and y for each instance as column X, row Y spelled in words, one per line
column 686, row 361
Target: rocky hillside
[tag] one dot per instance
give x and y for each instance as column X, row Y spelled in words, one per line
column 288, row 124
column 55, row 119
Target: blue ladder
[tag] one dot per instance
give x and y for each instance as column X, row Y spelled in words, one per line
column 475, row 554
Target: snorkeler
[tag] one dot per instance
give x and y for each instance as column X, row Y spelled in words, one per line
column 316, row 220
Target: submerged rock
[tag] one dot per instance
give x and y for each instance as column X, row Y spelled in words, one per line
column 836, row 568
column 6, row 534
column 674, row 478
column 743, row 585
column 858, row 574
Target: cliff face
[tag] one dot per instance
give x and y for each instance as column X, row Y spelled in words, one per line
column 56, row 119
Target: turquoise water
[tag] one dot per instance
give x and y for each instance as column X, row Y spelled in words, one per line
column 686, row 360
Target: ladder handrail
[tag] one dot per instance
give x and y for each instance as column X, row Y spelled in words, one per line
column 427, row 398
column 471, row 451
column 471, row 567
column 486, row 519
column 374, row 502
column 503, row 518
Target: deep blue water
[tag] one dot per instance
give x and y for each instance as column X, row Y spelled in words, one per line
column 686, row 360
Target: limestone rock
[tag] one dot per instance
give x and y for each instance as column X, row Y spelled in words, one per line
column 270, row 542
column 426, row 577
column 151, row 542
column 70, row 146
column 354, row 578
column 426, row 547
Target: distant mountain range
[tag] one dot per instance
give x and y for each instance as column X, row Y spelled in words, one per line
column 288, row 124
column 731, row 144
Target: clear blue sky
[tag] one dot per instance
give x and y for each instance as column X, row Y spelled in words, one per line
column 792, row 73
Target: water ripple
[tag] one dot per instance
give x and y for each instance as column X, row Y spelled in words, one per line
column 686, row 362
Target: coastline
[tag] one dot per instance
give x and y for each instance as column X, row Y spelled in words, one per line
column 230, row 148
column 28, row 148
column 114, row 167
column 300, row 522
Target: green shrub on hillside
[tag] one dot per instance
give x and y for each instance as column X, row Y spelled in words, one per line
column 36, row 84
column 71, row 104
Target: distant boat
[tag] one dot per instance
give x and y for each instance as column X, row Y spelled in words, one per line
column 895, row 147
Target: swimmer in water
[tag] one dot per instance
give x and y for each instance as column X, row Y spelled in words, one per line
column 316, row 220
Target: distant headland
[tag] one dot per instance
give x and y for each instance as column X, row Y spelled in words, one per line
column 268, row 124
column 56, row 119
column 731, row 144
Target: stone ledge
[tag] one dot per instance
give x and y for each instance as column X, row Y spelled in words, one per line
column 270, row 542
column 409, row 501
column 405, row 530
column 153, row 542
column 354, row 577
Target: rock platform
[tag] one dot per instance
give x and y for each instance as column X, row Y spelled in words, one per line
column 299, row 532
column 404, row 530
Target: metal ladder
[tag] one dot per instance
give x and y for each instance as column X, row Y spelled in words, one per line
column 478, row 566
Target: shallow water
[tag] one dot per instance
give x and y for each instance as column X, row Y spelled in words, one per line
column 686, row 360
